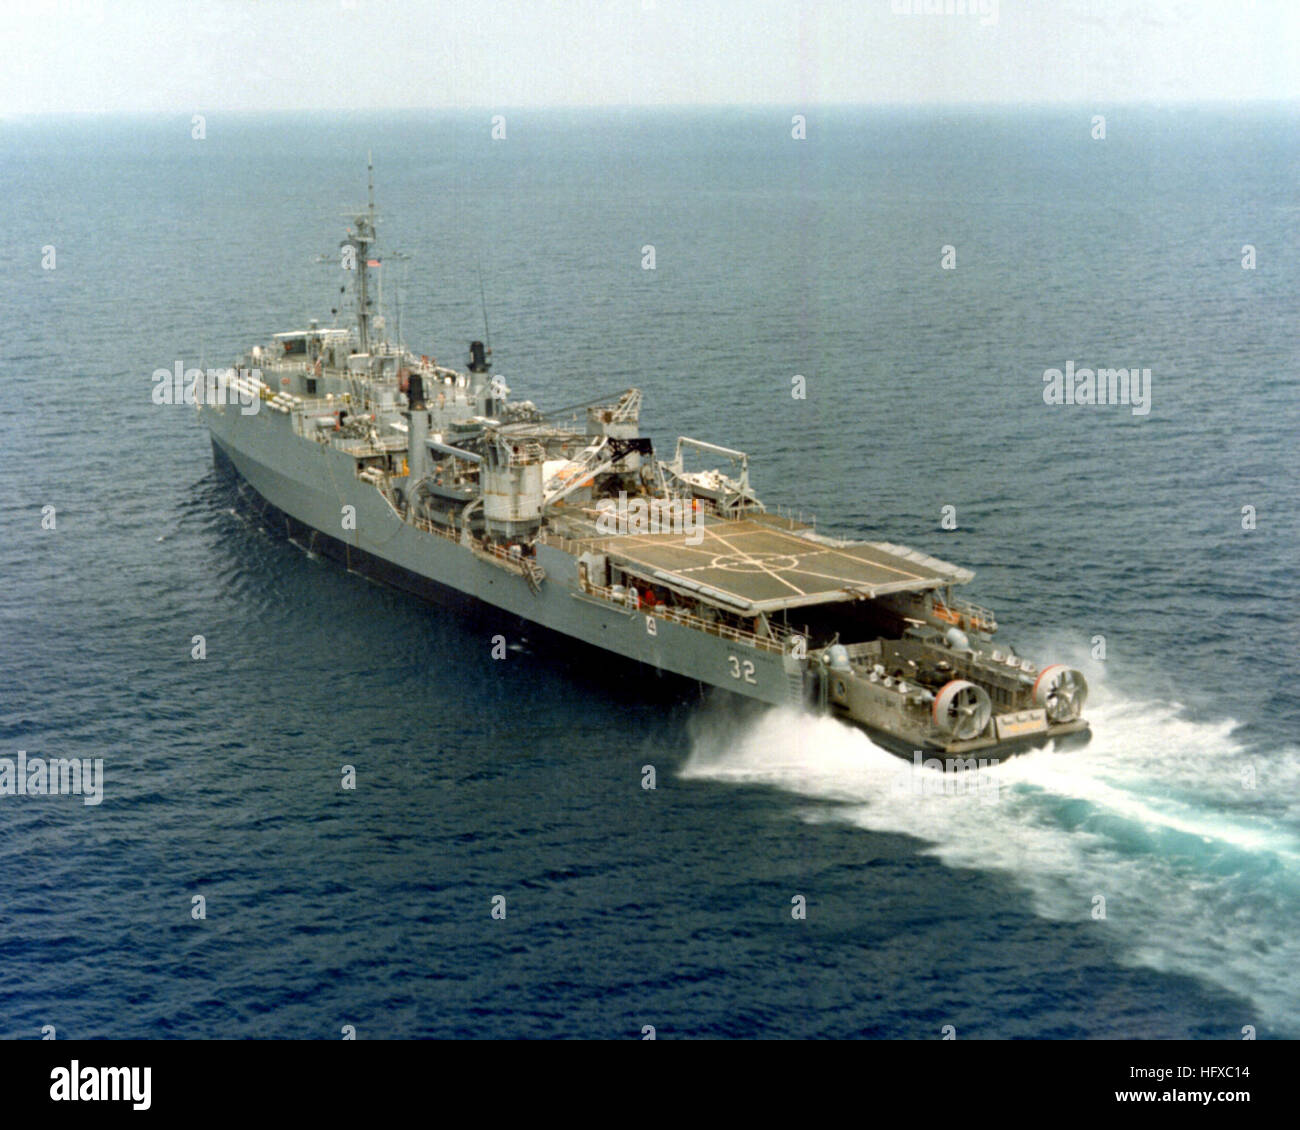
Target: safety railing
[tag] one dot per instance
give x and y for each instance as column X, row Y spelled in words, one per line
column 516, row 563
column 964, row 614
column 675, row 615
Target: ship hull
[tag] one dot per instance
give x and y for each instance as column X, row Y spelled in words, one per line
column 477, row 615
column 279, row 467
column 312, row 490
column 953, row 759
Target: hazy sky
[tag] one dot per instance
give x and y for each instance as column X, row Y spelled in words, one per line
column 169, row 55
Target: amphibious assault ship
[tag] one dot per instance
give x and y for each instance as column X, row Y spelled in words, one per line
column 433, row 478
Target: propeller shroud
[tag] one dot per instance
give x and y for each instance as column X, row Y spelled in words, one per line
column 962, row 710
column 1061, row 691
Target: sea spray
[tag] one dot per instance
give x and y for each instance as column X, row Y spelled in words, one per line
column 1139, row 817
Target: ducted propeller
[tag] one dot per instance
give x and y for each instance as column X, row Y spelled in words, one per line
column 961, row 710
column 1061, row 691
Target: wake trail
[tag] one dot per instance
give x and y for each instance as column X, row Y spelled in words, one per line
column 1192, row 839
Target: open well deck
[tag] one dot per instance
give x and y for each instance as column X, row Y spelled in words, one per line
column 764, row 563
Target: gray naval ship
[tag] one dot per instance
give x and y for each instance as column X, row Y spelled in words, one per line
column 433, row 478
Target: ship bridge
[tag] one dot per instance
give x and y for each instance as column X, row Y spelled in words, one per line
column 767, row 563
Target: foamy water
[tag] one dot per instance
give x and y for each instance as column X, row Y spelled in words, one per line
column 1200, row 873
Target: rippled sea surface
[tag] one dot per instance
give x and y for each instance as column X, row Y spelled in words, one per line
column 522, row 777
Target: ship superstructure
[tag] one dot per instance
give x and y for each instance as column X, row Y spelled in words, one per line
column 428, row 475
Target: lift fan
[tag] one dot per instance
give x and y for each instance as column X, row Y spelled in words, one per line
column 1061, row 691
column 962, row 710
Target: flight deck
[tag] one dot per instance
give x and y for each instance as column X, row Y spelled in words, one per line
column 766, row 562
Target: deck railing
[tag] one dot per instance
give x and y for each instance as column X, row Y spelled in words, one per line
column 776, row 643
column 572, row 546
column 960, row 612
column 486, row 549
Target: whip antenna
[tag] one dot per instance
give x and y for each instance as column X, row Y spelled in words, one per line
column 487, row 337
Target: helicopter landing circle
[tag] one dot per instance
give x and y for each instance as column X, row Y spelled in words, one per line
column 763, row 563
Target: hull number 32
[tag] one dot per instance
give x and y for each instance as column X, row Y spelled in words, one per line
column 743, row 671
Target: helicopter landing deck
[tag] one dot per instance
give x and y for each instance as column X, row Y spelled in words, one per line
column 765, row 563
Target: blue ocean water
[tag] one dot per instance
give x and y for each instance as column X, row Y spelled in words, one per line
column 522, row 777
